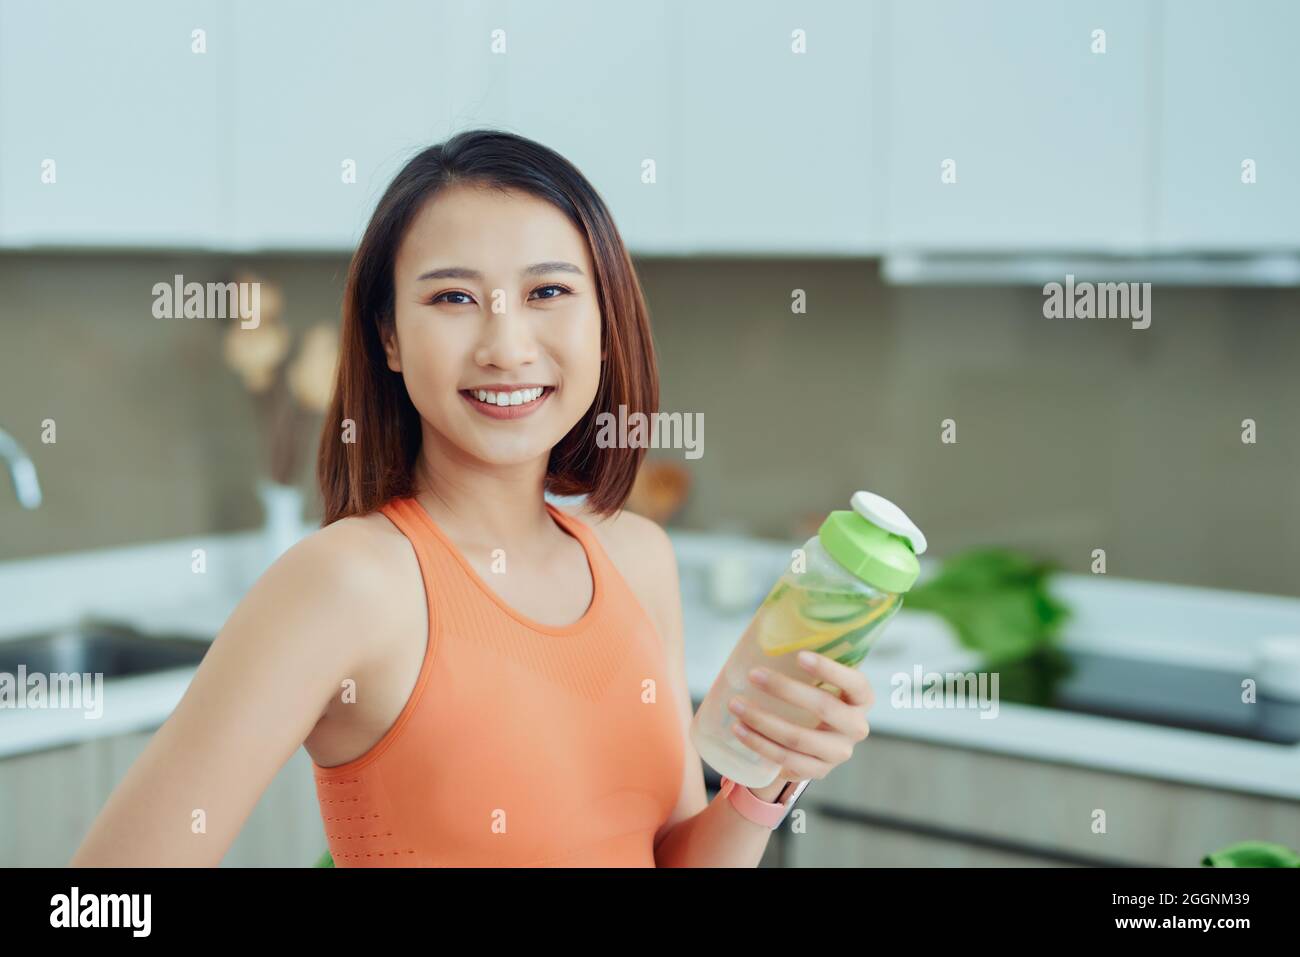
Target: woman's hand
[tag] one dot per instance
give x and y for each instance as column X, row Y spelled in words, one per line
column 807, row 752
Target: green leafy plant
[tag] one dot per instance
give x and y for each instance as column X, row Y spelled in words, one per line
column 1252, row 854
column 997, row 602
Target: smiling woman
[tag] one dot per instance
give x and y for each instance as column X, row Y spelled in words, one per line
column 479, row 677
column 501, row 337
column 488, row 198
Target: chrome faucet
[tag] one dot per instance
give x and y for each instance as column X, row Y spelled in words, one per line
column 21, row 471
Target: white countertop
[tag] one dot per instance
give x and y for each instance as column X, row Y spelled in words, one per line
column 155, row 588
column 152, row 587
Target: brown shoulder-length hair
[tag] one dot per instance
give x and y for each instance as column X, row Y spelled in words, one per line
column 371, row 436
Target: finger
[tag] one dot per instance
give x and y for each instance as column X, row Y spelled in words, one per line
column 828, row 706
column 824, row 744
column 855, row 685
column 863, row 728
column 802, row 765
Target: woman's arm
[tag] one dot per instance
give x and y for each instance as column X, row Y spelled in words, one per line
column 697, row 833
column 700, row 833
column 261, row 688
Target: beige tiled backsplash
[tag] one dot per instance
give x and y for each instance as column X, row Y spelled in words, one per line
column 1071, row 435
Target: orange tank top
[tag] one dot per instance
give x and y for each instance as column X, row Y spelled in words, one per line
column 522, row 744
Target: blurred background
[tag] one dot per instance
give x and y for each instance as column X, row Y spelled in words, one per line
column 844, row 216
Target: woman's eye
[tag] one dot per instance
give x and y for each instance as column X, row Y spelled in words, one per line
column 562, row 289
column 467, row 299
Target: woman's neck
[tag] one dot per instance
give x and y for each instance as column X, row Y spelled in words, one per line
column 487, row 506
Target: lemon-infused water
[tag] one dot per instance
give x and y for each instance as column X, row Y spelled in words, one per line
column 838, row 624
column 844, row 584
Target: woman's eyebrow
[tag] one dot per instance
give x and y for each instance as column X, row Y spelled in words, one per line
column 461, row 272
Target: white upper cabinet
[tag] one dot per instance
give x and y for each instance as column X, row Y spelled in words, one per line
column 592, row 80
column 1230, row 79
column 112, row 127
column 729, row 127
column 1046, row 143
column 330, row 101
column 777, row 134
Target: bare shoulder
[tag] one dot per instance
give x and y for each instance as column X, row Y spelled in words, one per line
column 643, row 553
column 628, row 535
column 360, row 543
column 358, row 576
column 353, row 554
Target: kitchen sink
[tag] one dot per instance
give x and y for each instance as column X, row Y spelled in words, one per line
column 113, row 650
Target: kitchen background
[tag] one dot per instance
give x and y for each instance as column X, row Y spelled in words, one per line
column 1071, row 435
column 1104, row 140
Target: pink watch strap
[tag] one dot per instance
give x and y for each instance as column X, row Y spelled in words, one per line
column 753, row 807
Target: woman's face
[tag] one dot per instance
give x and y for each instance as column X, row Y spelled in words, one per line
column 495, row 291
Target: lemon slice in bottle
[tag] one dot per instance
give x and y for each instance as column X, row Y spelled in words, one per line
column 852, row 646
column 787, row 626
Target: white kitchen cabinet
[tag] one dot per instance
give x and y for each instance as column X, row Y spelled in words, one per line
column 376, row 83
column 905, row 802
column 49, row 800
column 284, row 133
column 112, row 130
column 777, row 151
column 1229, row 77
column 1049, row 143
column 593, row 81
column 697, row 123
column 329, row 103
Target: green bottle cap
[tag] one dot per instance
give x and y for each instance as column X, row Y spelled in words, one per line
column 875, row 541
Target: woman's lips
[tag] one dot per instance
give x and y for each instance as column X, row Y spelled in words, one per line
column 507, row 411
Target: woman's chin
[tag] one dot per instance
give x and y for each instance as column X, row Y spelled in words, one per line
column 505, row 453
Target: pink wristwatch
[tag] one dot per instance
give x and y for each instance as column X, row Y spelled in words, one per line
column 754, row 808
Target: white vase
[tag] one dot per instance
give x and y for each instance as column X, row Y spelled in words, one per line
column 283, row 525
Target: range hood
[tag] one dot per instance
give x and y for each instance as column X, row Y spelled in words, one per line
column 964, row 269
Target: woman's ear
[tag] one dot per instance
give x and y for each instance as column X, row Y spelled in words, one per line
column 388, row 335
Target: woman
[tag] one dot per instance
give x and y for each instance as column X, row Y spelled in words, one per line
column 480, row 677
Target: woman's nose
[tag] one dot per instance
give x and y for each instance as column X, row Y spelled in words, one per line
column 507, row 338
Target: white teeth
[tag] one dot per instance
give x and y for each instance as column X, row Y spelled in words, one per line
column 518, row 397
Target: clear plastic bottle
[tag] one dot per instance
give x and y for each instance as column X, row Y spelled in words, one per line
column 843, row 585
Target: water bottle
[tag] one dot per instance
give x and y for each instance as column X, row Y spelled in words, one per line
column 842, row 586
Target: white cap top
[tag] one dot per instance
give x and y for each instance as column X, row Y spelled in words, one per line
column 885, row 514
